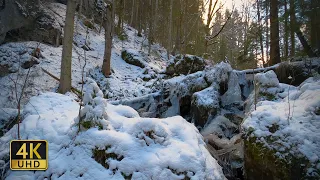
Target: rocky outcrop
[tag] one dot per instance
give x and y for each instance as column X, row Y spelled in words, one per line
column 28, row 21
column 132, row 57
column 185, row 64
column 16, row 14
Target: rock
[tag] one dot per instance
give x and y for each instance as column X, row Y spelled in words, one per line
column 4, row 70
column 220, row 126
column 234, row 118
column 297, row 72
column 185, row 64
column 29, row 63
column 18, row 13
column 47, row 28
column 263, row 163
column 268, row 79
column 7, row 119
column 218, row 73
column 233, row 94
column 178, row 91
column 204, row 104
column 133, row 57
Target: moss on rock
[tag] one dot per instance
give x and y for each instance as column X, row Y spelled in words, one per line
column 263, row 163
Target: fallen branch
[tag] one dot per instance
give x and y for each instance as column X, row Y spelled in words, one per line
column 76, row 91
column 259, row 70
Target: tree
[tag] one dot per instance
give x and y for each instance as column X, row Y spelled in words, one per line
column 260, row 32
column 286, row 31
column 315, row 24
column 65, row 74
column 170, row 30
column 274, row 33
column 108, row 27
column 292, row 27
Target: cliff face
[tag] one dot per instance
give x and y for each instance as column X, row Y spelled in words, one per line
column 31, row 20
column 16, row 14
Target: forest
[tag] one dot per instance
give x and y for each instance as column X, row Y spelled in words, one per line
column 160, row 89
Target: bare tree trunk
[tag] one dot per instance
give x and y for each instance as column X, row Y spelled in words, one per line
column 292, row 28
column 65, row 74
column 108, row 26
column 150, row 34
column 286, row 36
column 260, row 30
column 139, row 11
column 315, row 24
column 274, row 33
column 132, row 12
column 170, row 30
column 267, row 31
column 80, row 7
column 120, row 18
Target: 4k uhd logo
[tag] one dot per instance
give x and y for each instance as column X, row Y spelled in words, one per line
column 28, row 155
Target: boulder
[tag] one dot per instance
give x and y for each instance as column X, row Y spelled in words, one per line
column 133, row 57
column 279, row 144
column 297, row 71
column 204, row 104
column 16, row 14
column 46, row 28
column 185, row 64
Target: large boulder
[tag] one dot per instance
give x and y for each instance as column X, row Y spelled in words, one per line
column 204, row 104
column 295, row 73
column 16, row 14
column 133, row 57
column 185, row 64
column 281, row 140
column 48, row 27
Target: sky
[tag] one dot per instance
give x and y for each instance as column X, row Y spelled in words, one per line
column 227, row 4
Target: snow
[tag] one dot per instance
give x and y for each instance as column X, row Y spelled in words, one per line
column 208, row 97
column 268, row 79
column 218, row 73
column 220, row 126
column 147, row 148
column 297, row 128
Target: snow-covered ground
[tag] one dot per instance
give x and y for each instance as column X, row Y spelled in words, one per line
column 126, row 80
column 126, row 145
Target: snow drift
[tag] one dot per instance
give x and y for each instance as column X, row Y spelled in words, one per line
column 125, row 146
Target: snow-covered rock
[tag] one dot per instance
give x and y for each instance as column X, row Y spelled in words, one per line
column 268, row 79
column 282, row 137
column 131, row 147
column 218, row 73
column 133, row 57
column 185, row 64
column 204, row 105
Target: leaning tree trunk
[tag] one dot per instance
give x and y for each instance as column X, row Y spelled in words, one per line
column 108, row 26
column 307, row 48
column 65, row 74
column 274, row 33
